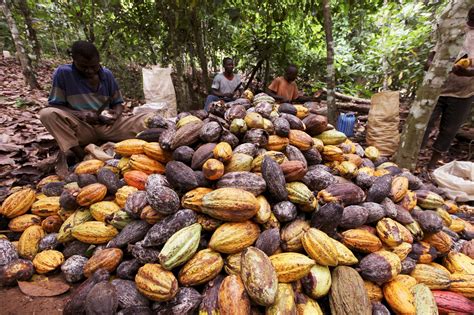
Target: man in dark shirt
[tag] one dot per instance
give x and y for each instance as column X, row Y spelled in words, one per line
column 85, row 104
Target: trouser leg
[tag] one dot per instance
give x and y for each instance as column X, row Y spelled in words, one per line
column 124, row 128
column 67, row 129
column 437, row 111
column 454, row 115
column 210, row 98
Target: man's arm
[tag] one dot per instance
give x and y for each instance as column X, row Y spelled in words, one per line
column 463, row 72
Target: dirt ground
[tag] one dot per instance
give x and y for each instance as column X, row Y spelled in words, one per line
column 15, row 302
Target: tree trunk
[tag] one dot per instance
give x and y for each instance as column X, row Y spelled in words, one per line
column 331, row 73
column 25, row 61
column 26, row 13
column 451, row 33
column 200, row 51
column 385, row 65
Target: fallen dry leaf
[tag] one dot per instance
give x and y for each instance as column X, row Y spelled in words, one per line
column 43, row 286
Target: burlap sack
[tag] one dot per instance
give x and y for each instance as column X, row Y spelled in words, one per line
column 158, row 87
column 457, row 180
column 383, row 121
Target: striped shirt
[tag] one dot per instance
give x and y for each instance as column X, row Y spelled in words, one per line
column 70, row 89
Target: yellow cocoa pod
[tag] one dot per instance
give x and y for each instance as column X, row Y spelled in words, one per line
column 204, row 266
column 78, row 217
column 277, row 143
column 18, row 203
column 463, row 284
column 264, row 211
column 94, row 232
column 399, row 297
column 100, row 210
column 89, row 166
column 388, row 232
column 107, row 259
column 344, row 254
column 46, row 206
column 361, row 240
column 459, row 263
column 141, row 162
column 374, row 291
column 232, row 264
column 319, row 246
column 48, row 260
column 130, row 146
column 222, row 152
column 230, row 204
column 425, row 302
column 154, row 151
column 22, row 222
column 233, row 237
column 91, row 194
column 399, row 188
column 291, row 266
column 239, row 162
column 122, row 194
column 29, row 241
column 156, row 283
column 431, row 276
column 193, row 198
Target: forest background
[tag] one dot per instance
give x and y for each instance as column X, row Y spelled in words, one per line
column 378, row 44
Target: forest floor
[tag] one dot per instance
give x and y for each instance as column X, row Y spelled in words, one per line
column 28, row 153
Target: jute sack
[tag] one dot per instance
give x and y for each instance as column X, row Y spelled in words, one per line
column 382, row 123
column 158, row 88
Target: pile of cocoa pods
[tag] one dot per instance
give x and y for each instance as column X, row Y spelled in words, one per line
column 251, row 208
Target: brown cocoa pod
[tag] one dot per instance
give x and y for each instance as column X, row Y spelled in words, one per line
column 282, row 127
column 186, row 135
column 166, row 138
column 248, row 181
column 295, row 122
column 210, row 132
column 258, row 137
column 209, row 303
column 235, row 112
column 264, row 109
column 75, row 248
column 131, row 233
column 408, row 264
column 201, row 155
column 102, row 299
column 128, row 269
column 312, row 156
column 144, row 255
column 327, row 218
column 16, row 270
column 107, row 259
column 315, row 124
column 185, row 302
column 468, row 248
column 379, row 309
column 285, row 211
column 291, row 235
column 375, row 211
column 353, row 217
column 403, row 216
column 246, row 148
column 293, row 170
column 429, row 221
column 73, row 268
column 52, row 224
column 180, row 176
column 348, row 294
column 86, row 179
column 389, row 207
column 161, row 231
column 287, row 108
column 380, row 189
column 67, row 200
column 275, row 179
column 150, row 134
column 162, row 199
column 135, row 203
column 294, row 154
column 233, row 300
column 127, row 294
column 380, row 267
column 318, row 179
column 183, row 154
column 269, row 241
column 108, row 178
column 77, row 301
column 8, row 252
column 53, row 189
column 156, row 180
column 48, row 242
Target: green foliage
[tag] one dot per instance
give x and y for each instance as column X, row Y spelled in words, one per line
column 195, row 35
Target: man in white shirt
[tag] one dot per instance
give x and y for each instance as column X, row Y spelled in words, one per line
column 224, row 85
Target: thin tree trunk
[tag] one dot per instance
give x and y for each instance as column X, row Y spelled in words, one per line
column 200, row 51
column 451, row 32
column 331, row 73
column 385, row 65
column 25, row 11
column 266, row 75
column 25, row 61
column 254, row 71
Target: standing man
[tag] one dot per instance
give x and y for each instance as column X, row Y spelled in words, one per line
column 284, row 89
column 225, row 84
column 85, row 106
column 455, row 101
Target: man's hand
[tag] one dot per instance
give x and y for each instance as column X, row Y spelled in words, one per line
column 88, row 116
column 108, row 117
column 228, row 95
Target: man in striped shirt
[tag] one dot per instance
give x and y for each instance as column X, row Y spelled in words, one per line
column 85, row 104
